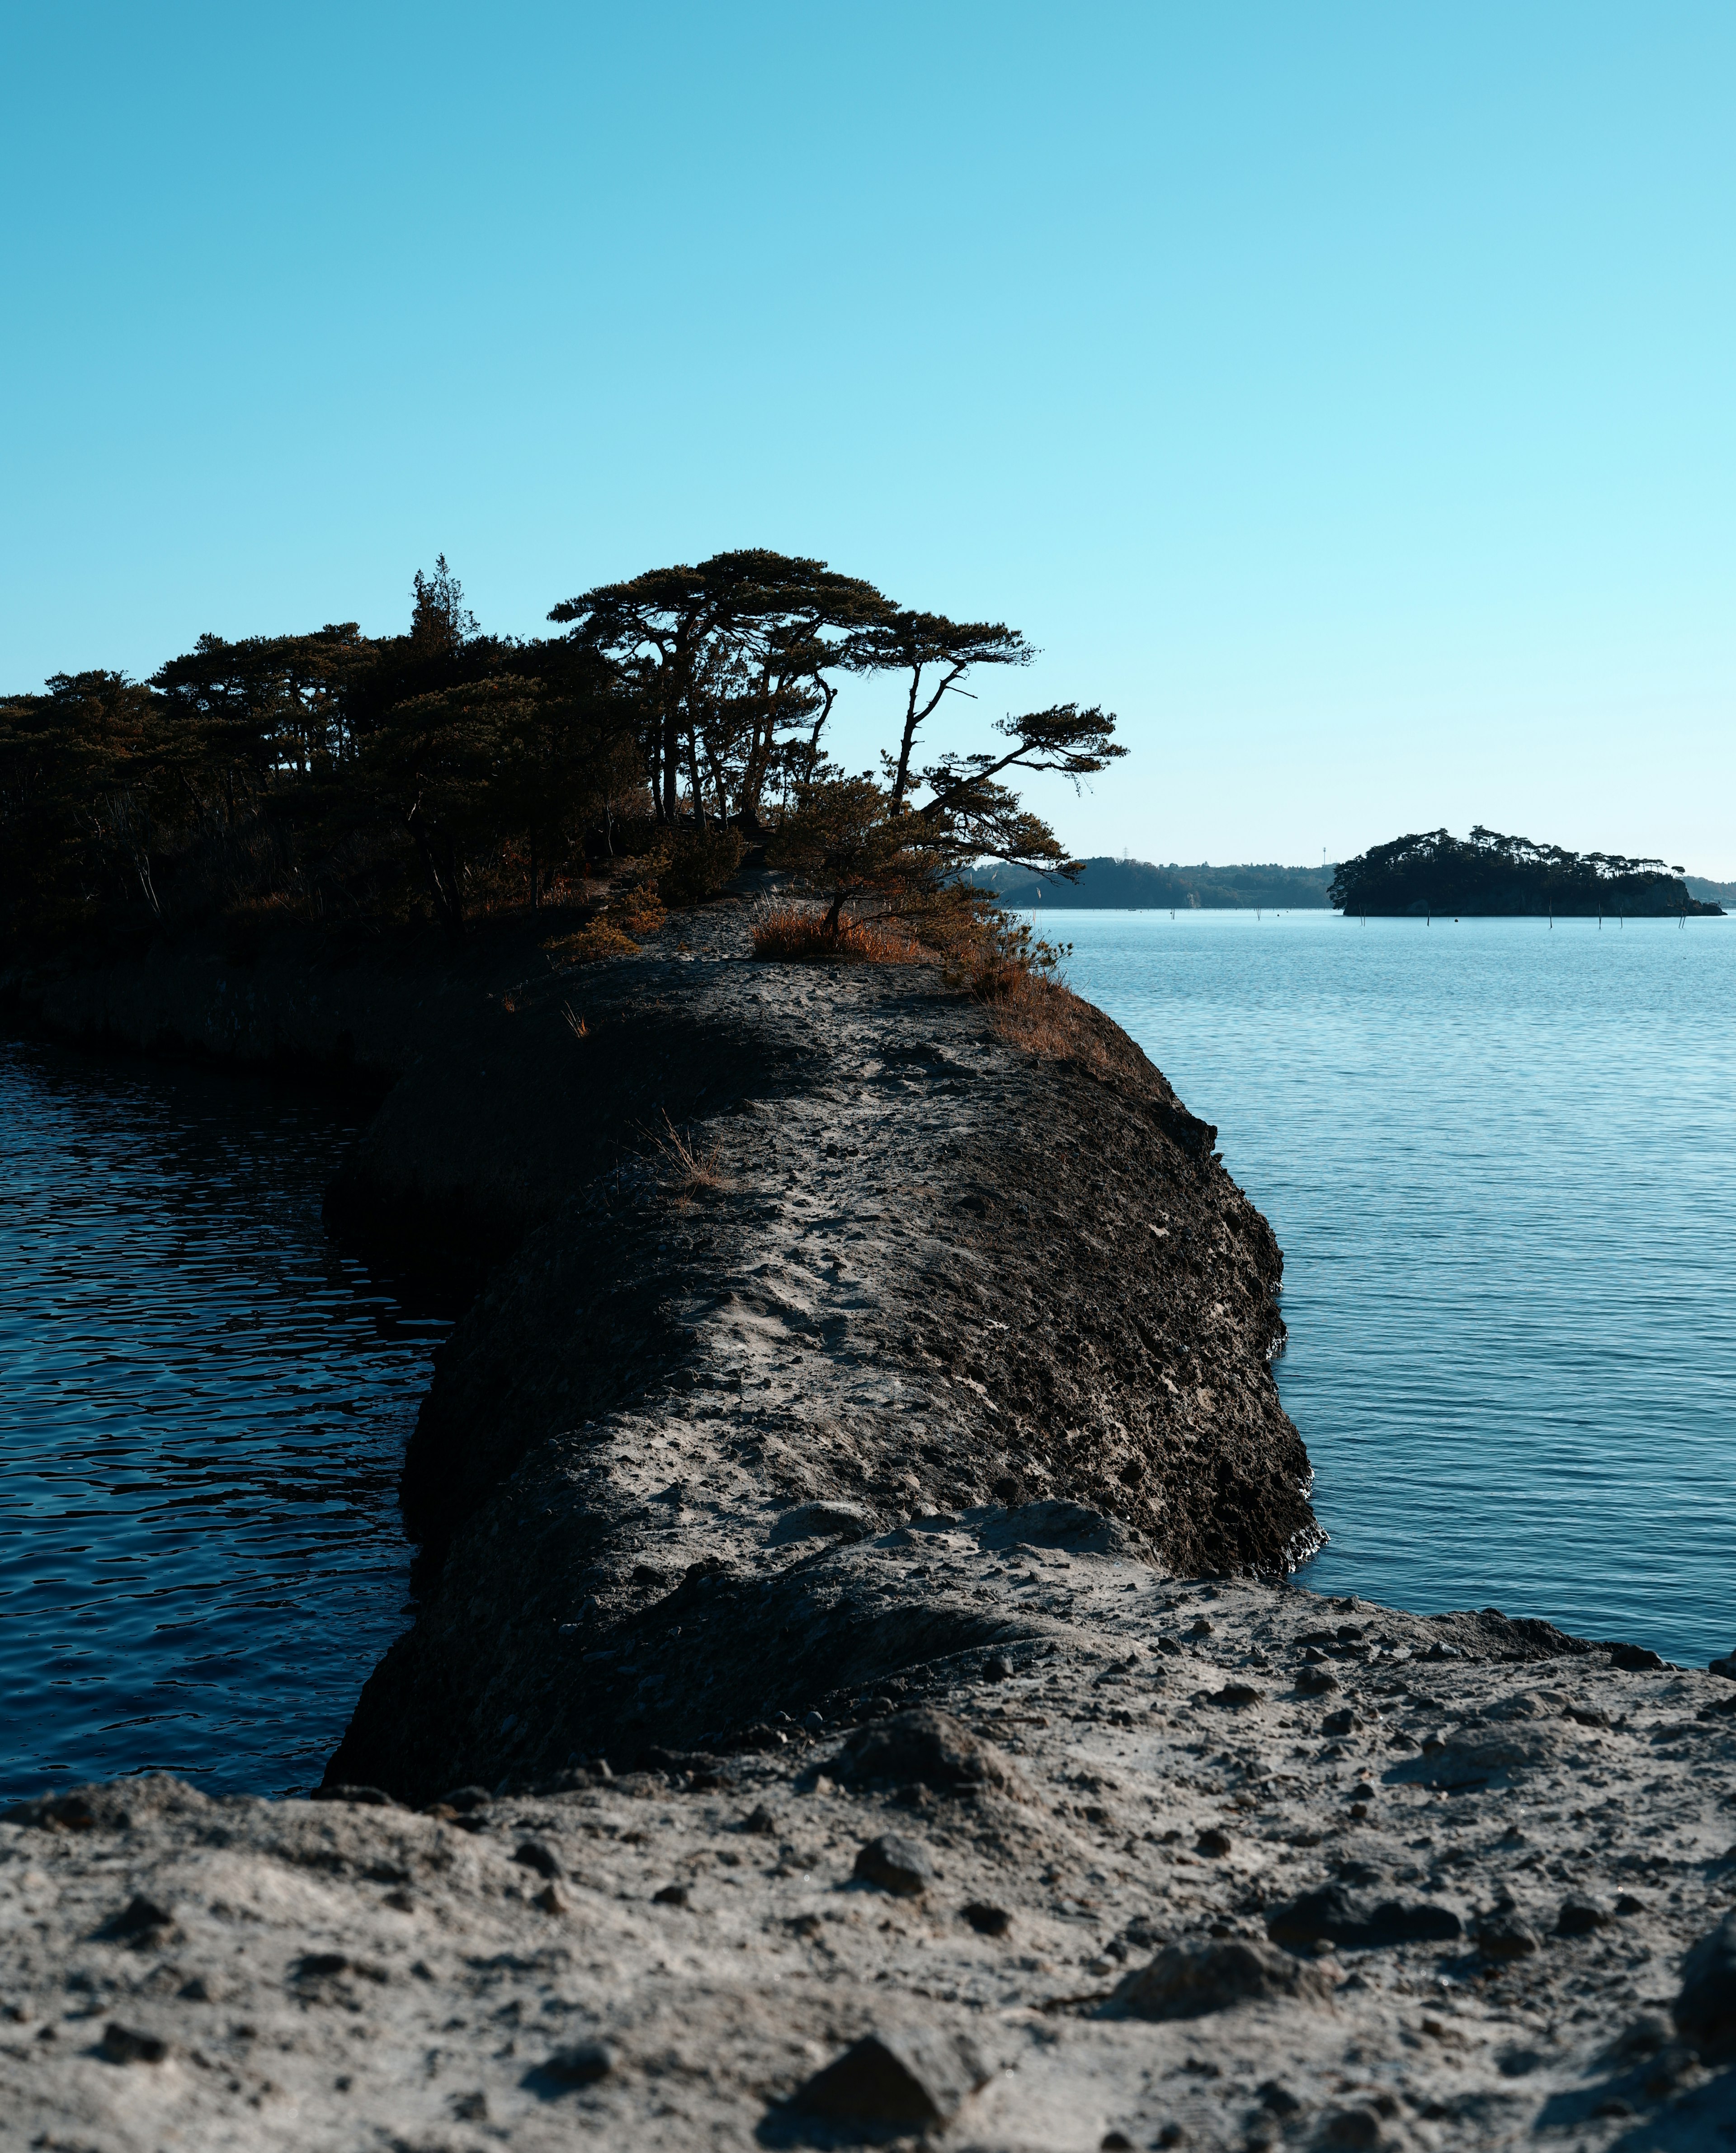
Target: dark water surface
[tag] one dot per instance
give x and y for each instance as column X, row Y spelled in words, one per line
column 203, row 1409
column 1500, row 1160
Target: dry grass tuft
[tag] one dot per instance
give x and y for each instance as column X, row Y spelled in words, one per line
column 1041, row 1014
column 795, row 933
column 601, row 939
column 575, row 1025
column 695, row 1166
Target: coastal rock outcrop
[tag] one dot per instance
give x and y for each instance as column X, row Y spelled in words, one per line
column 825, row 1257
column 857, row 1689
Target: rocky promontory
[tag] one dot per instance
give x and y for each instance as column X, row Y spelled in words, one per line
column 858, row 1687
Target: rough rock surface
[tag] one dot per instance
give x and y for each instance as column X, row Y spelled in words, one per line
column 873, row 1478
column 243, row 1973
column 828, row 1256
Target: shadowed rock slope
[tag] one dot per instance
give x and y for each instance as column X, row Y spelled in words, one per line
column 806, row 1253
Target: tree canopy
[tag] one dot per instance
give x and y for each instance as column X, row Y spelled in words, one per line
column 327, row 774
column 1433, row 871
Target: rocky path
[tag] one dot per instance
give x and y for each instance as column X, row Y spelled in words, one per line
column 1214, row 1863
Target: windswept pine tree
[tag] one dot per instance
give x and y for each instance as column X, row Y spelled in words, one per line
column 678, row 717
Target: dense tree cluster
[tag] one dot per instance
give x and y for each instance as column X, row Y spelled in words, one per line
column 446, row 771
column 1433, row 871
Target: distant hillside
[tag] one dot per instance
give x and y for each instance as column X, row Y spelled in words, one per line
column 1139, row 886
column 1709, row 892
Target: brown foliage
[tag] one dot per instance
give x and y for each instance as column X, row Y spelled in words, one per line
column 601, row 939
column 794, row 934
column 1035, row 1011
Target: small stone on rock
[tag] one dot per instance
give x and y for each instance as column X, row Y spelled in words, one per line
column 988, row 1921
column 1214, row 1842
column 1187, row 1980
column 533, row 1854
column 896, row 1864
column 912, row 2075
column 1506, row 1935
column 582, row 2063
column 122, row 2044
column 671, row 1895
column 1579, row 1916
column 138, row 1917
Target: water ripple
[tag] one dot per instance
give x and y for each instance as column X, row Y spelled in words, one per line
column 1501, row 1161
column 203, row 1409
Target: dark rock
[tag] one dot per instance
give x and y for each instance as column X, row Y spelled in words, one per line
column 1580, row 1917
column 761, row 1822
column 1705, row 2011
column 896, row 1864
column 988, row 1921
column 138, row 1921
column 122, row 2044
column 582, row 2064
column 366, row 1798
column 1635, row 1659
column 1315, row 1681
column 1237, row 1694
column 925, row 1748
column 1279, row 2100
column 1213, row 1842
column 995, row 1669
column 1201, row 1626
column 916, row 2076
column 1344, row 1722
column 1173, row 1645
column 533, row 1854
column 1503, row 1936
column 463, row 1799
column 1626, row 1903
column 1115, row 2142
column 1725, row 1667
column 1334, row 1915
column 671, row 1895
column 1189, row 1980
column 1354, row 2129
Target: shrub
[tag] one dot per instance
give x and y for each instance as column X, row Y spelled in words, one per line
column 600, row 939
column 695, row 864
column 794, row 934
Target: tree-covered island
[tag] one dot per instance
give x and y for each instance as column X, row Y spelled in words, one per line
column 1486, row 874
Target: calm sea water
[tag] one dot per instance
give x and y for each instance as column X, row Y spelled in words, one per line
column 203, row 1409
column 1500, row 1160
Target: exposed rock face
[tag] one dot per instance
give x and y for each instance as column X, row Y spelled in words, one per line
column 884, row 1268
column 697, row 1955
column 820, row 1722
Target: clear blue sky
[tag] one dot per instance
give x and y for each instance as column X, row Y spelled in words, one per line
column 1343, row 393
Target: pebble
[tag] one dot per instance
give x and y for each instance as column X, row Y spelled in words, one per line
column 896, row 1864
column 1189, row 1980
column 916, row 2076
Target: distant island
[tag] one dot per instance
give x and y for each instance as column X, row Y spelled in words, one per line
column 1486, row 874
column 1109, row 885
